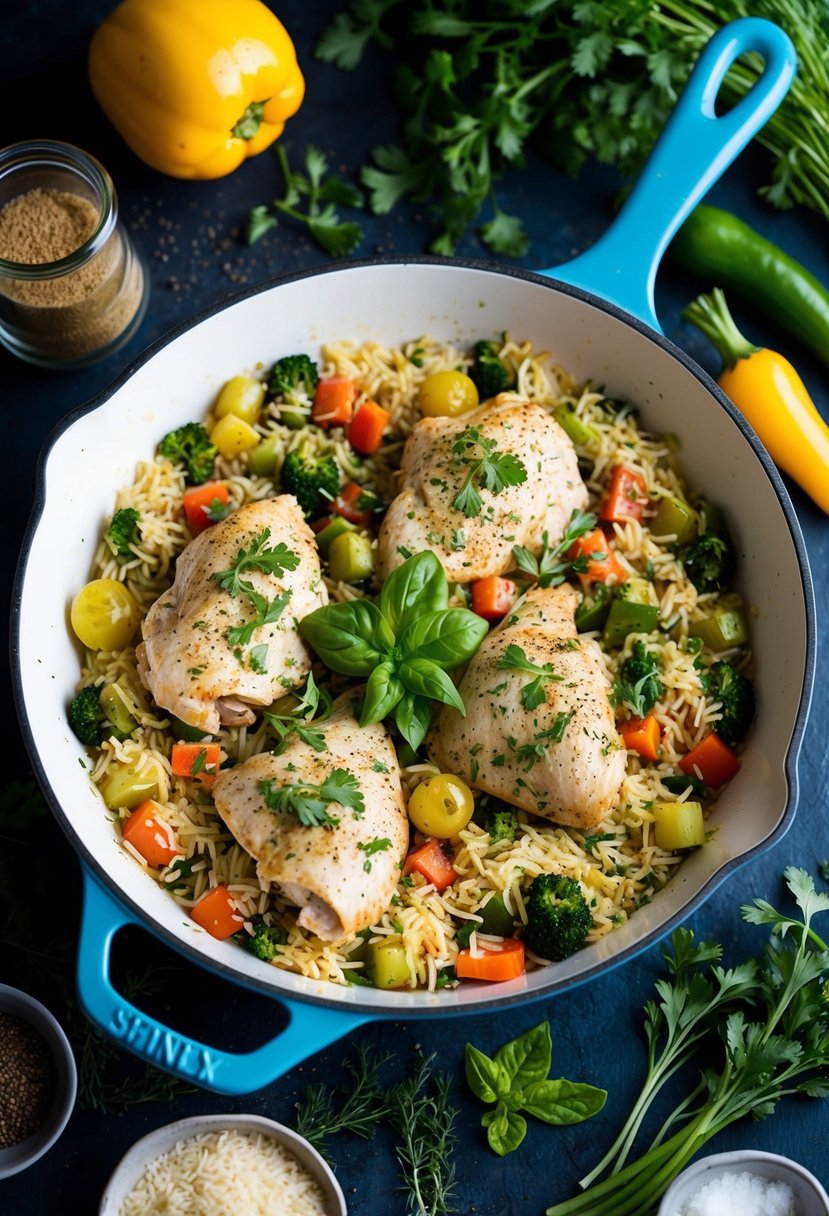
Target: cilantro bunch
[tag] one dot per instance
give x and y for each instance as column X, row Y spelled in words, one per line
column 481, row 79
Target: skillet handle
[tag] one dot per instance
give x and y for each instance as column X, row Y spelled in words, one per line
column 224, row 1072
column 693, row 151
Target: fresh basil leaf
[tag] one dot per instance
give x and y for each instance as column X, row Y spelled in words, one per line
column 426, row 679
column 527, row 1059
column 383, row 691
column 504, row 1129
column 485, row 1077
column 449, row 638
column 413, row 717
column 563, row 1102
column 413, row 589
column 351, row 638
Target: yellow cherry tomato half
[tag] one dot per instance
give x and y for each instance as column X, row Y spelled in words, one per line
column 104, row 615
column 441, row 806
column 447, row 394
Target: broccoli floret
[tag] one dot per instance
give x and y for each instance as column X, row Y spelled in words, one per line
column 190, row 445
column 639, row 686
column 295, row 377
column 313, row 480
column 502, row 824
column 123, row 530
column 736, row 692
column 710, row 562
column 558, row 918
column 490, row 374
column 264, row 941
column 85, row 715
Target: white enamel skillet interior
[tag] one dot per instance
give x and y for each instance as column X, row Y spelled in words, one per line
column 95, row 451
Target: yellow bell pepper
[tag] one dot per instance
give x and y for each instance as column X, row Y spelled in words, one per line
column 195, row 86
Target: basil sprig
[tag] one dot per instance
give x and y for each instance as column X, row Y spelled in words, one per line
column 515, row 1079
column 404, row 647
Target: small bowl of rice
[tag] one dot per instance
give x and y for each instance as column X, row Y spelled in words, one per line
column 745, row 1183
column 223, row 1163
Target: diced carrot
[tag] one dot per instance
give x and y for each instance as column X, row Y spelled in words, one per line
column 199, row 500
column 503, row 962
column 601, row 562
column 217, row 914
column 196, row 760
column 712, row 761
column 367, row 426
column 347, row 503
column 150, row 835
column 334, row 401
column 627, row 496
column 434, row 862
column 493, row 597
column 642, row 736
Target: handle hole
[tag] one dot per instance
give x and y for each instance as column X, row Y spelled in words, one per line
column 733, row 90
column 189, row 999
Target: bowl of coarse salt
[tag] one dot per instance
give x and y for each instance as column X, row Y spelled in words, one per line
column 223, row 1163
column 745, row 1183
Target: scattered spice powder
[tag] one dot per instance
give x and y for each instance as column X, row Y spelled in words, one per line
column 27, row 1080
column 68, row 315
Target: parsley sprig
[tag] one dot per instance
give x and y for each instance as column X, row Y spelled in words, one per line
column 324, row 194
column 488, row 469
column 314, row 705
column 370, row 847
column 552, row 566
column 515, row 658
column 310, row 803
column 266, row 614
column 258, row 557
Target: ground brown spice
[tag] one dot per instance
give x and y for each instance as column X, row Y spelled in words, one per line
column 70, row 315
column 27, row 1080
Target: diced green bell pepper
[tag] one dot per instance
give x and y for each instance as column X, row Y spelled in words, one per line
column 293, row 417
column 337, row 527
column 582, row 433
column 675, row 517
column 633, row 610
column 495, row 918
column 726, row 628
column 386, row 965
column 184, row 732
column 351, row 557
column 262, row 458
column 592, row 614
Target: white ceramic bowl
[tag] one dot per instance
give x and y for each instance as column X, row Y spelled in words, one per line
column 810, row 1197
column 20, row 1156
column 133, row 1164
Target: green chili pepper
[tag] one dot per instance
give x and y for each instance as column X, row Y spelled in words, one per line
column 717, row 246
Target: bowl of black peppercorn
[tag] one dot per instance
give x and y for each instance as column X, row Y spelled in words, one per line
column 38, row 1080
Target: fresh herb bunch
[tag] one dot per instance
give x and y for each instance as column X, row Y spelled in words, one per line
column 582, row 78
column 404, row 646
column 516, row 1079
column 321, row 218
column 766, row 1019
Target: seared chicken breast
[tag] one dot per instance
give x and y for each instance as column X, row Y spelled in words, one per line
column 422, row 516
column 544, row 741
column 210, row 654
column 342, row 874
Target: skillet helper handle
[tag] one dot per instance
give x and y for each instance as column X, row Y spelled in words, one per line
column 224, row 1072
column 693, row 151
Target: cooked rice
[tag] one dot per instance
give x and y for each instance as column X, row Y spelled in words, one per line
column 227, row 1171
column 618, row 862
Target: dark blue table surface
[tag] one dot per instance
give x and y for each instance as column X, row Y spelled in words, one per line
column 189, row 233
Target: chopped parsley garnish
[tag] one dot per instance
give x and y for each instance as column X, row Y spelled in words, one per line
column 552, row 566
column 514, row 658
column 594, row 838
column 310, row 802
column 258, row 659
column 490, row 469
column 219, row 510
column 379, row 767
column 370, row 847
column 266, row 614
column 258, row 557
column 315, row 703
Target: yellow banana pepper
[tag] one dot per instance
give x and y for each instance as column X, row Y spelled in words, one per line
column 195, row 86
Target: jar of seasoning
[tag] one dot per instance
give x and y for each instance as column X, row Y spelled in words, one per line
column 73, row 288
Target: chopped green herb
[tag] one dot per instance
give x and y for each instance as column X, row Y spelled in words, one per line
column 310, row 802
column 491, row 469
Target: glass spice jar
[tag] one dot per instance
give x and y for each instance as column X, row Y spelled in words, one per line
column 73, row 287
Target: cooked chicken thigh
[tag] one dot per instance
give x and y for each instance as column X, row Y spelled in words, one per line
column 562, row 759
column 422, row 516
column 341, row 876
column 194, row 659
